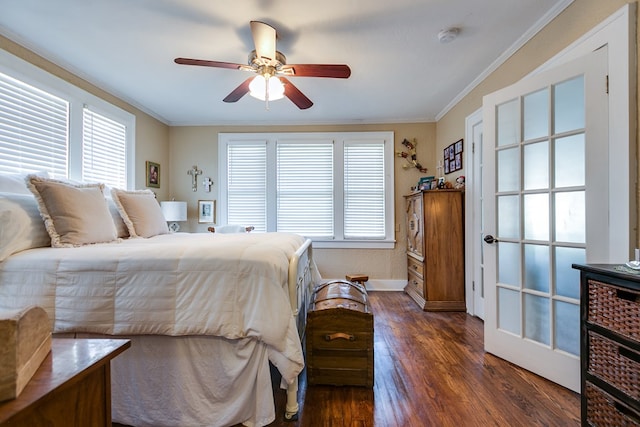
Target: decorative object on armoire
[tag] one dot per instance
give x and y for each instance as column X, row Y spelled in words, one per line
column 425, row 183
column 459, row 182
column 339, row 335
column 435, row 249
column 452, row 157
column 411, row 157
column 194, row 172
column 153, row 174
column 174, row 212
column 609, row 345
column 271, row 66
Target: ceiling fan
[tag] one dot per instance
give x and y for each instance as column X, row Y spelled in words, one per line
column 271, row 83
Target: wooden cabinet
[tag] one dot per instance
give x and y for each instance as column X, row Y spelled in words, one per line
column 609, row 345
column 72, row 387
column 435, row 249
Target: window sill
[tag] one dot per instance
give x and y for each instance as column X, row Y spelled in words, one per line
column 353, row 244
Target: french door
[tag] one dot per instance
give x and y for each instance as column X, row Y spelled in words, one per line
column 545, row 199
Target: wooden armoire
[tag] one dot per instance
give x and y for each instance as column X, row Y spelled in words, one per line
column 435, row 249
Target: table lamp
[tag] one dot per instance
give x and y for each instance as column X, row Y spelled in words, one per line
column 173, row 212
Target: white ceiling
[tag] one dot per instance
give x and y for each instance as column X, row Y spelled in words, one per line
column 400, row 71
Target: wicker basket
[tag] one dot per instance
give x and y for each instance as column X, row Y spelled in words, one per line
column 604, row 410
column 615, row 364
column 615, row 308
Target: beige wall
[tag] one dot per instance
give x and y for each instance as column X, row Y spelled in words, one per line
column 152, row 136
column 575, row 21
column 192, row 145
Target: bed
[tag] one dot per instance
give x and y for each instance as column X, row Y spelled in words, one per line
column 207, row 313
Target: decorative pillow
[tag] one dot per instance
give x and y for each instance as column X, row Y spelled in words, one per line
column 22, row 227
column 74, row 214
column 14, row 182
column 141, row 212
column 121, row 227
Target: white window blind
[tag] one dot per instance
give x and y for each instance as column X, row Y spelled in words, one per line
column 246, row 185
column 364, row 191
column 33, row 129
column 103, row 150
column 333, row 187
column 305, row 188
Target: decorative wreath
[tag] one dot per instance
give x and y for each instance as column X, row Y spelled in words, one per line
column 410, row 156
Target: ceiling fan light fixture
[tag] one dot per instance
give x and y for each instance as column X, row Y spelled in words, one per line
column 258, row 88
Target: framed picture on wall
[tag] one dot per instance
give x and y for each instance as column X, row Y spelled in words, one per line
column 153, row 174
column 458, row 147
column 206, row 211
column 453, row 157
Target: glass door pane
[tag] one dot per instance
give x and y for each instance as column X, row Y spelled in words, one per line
column 540, row 213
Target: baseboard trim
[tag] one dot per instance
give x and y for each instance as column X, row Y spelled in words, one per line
column 380, row 284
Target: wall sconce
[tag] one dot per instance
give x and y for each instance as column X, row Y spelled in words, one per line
column 174, row 212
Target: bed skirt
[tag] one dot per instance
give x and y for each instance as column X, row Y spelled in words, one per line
column 191, row 381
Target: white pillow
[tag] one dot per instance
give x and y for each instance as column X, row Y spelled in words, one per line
column 141, row 212
column 121, row 227
column 15, row 182
column 21, row 226
column 74, row 214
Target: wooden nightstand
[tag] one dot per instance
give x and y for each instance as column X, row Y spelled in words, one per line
column 72, row 387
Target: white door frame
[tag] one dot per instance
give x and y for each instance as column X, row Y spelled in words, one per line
column 473, row 195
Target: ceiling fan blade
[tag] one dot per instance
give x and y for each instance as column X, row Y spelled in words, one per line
column 294, row 94
column 264, row 39
column 206, row 63
column 317, row 70
column 239, row 92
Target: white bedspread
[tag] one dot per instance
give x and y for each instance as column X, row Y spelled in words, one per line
column 227, row 285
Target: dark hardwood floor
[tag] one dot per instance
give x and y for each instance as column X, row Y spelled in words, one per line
column 431, row 370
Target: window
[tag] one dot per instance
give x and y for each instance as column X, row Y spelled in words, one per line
column 336, row 188
column 47, row 124
column 33, row 129
column 103, row 150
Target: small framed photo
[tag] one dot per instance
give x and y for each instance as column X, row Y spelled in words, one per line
column 153, row 174
column 446, row 166
column 206, row 211
column 458, row 146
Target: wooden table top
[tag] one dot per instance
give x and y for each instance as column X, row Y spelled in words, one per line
column 69, row 361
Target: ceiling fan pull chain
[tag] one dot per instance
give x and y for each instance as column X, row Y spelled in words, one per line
column 266, row 92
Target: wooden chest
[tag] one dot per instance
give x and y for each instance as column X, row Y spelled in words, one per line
column 339, row 335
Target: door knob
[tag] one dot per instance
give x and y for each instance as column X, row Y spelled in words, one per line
column 490, row 239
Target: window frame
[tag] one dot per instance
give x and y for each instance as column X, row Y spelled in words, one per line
column 339, row 139
column 78, row 99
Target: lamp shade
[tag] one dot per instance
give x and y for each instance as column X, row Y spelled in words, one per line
column 258, row 88
column 174, row 211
